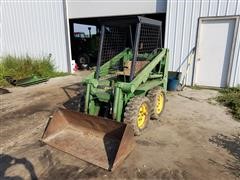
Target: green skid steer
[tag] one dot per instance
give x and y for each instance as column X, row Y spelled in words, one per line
column 126, row 90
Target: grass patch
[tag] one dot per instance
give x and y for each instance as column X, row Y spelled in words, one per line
column 196, row 87
column 25, row 66
column 231, row 98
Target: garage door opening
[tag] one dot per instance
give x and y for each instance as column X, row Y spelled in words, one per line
column 85, row 35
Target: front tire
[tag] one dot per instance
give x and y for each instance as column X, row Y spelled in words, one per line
column 137, row 114
column 158, row 98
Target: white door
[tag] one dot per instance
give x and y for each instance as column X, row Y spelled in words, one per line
column 214, row 48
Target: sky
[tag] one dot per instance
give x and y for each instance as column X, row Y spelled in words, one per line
column 84, row 28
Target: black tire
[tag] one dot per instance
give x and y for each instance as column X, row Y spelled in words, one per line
column 83, row 59
column 131, row 114
column 153, row 95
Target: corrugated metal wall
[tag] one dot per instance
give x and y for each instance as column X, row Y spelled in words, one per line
column 35, row 28
column 181, row 31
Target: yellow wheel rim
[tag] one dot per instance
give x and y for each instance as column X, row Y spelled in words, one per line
column 142, row 115
column 160, row 101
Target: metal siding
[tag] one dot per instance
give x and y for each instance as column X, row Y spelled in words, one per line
column 181, row 31
column 235, row 80
column 171, row 30
column 187, row 34
column 204, row 8
column 222, row 7
column 213, row 9
column 97, row 8
column 1, row 38
column 232, row 6
column 35, row 28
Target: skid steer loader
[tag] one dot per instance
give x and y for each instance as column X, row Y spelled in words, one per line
column 126, row 90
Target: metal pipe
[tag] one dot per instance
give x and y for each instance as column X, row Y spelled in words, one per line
column 87, row 98
column 160, row 36
column 100, row 52
column 115, row 103
column 131, row 39
column 135, row 54
column 120, row 106
column 89, row 30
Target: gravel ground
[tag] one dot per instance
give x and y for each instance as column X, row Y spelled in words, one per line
column 196, row 138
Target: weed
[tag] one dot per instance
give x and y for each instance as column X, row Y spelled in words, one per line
column 25, row 66
column 196, row 87
column 230, row 97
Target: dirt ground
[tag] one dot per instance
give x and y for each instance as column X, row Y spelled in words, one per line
column 196, row 138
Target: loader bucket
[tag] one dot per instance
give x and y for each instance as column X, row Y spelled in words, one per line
column 97, row 140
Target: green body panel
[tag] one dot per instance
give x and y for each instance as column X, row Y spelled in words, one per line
column 113, row 89
column 149, row 85
column 29, row 81
column 103, row 96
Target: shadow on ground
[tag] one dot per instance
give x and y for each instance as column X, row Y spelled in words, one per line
column 232, row 145
column 8, row 161
column 4, row 91
column 75, row 94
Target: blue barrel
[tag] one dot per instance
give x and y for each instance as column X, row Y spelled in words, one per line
column 172, row 84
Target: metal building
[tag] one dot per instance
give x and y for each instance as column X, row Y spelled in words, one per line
column 36, row 28
column 203, row 36
column 206, row 48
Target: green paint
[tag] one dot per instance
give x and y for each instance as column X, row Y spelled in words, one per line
column 110, row 89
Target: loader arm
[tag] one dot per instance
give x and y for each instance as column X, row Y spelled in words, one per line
column 143, row 76
column 143, row 81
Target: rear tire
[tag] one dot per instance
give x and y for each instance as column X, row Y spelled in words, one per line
column 137, row 114
column 157, row 98
column 82, row 60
